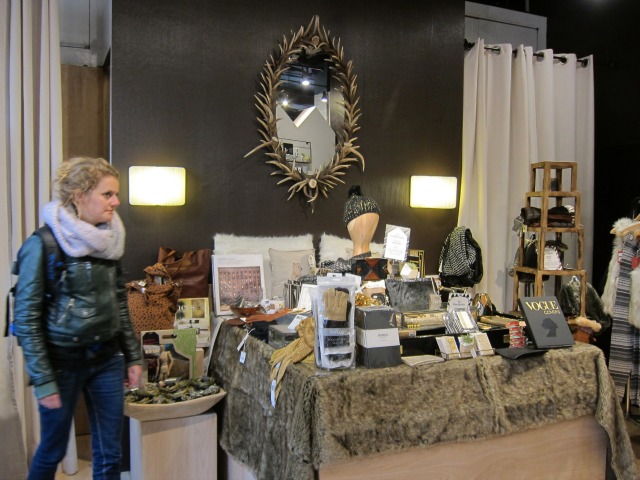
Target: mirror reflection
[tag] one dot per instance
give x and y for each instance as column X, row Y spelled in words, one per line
column 308, row 112
column 304, row 113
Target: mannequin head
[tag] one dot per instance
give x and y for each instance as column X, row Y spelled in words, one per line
column 361, row 215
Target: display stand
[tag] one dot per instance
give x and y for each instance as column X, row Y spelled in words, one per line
column 550, row 192
column 174, row 448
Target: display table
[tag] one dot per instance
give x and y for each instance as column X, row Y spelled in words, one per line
column 328, row 424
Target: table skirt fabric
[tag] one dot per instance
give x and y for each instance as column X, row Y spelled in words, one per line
column 323, row 417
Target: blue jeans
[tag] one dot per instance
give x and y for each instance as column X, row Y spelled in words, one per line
column 103, row 389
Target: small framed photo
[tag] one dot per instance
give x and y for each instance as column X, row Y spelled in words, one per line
column 235, row 278
column 194, row 313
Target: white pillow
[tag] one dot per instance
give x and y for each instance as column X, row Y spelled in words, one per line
column 333, row 247
column 228, row 244
column 289, row 265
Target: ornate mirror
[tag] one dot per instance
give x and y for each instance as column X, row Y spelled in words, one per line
column 308, row 112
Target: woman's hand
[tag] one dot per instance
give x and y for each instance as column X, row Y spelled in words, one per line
column 134, row 373
column 52, row 401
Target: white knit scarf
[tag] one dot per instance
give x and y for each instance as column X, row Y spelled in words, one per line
column 78, row 238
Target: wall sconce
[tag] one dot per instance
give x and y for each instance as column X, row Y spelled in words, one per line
column 157, row 186
column 433, row 192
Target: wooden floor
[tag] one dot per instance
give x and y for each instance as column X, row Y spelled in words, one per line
column 83, row 444
column 84, row 454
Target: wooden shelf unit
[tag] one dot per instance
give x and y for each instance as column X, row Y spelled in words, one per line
column 551, row 192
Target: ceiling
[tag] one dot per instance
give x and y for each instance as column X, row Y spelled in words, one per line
column 85, row 32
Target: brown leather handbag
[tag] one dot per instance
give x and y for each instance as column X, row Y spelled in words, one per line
column 153, row 302
column 192, row 269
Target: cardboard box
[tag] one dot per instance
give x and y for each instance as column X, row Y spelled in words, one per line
column 377, row 339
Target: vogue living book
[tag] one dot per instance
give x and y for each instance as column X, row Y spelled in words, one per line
column 545, row 321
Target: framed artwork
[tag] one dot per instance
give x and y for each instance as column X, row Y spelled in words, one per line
column 236, row 278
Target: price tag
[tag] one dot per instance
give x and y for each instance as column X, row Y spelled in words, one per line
column 243, row 356
column 296, row 321
column 552, row 259
column 273, row 393
column 242, row 342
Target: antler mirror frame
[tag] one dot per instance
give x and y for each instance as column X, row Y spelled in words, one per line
column 313, row 38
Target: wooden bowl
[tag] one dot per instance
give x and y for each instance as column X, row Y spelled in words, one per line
column 244, row 312
column 146, row 412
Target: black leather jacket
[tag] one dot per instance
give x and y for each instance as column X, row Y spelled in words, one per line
column 88, row 313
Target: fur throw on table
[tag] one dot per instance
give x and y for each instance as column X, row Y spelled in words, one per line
column 325, row 417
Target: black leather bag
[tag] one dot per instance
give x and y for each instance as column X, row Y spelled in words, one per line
column 410, row 295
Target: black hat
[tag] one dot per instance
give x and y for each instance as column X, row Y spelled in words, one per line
column 358, row 205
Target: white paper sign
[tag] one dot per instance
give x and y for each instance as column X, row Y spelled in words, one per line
column 396, row 243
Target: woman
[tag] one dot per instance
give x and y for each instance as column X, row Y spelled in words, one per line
column 74, row 339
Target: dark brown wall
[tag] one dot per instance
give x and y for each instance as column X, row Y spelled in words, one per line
column 183, row 79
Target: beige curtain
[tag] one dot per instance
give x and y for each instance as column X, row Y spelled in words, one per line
column 520, row 109
column 31, row 146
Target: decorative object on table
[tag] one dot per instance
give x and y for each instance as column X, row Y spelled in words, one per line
column 363, row 300
column 194, row 313
column 192, row 269
column 516, row 334
column 409, row 271
column 334, row 311
column 361, row 216
column 295, row 352
column 459, row 321
column 465, row 345
column 281, row 335
column 377, row 340
column 460, row 259
column 173, row 399
column 483, row 304
column 234, row 277
column 448, row 347
column 153, row 302
column 291, row 293
column 370, row 269
column 417, row 258
column 545, row 322
column 171, row 354
column 410, row 295
column 312, row 41
column 481, row 345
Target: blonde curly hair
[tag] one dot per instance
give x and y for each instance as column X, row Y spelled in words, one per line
column 80, row 175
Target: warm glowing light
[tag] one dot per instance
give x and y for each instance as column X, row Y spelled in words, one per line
column 433, row 192
column 157, row 186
